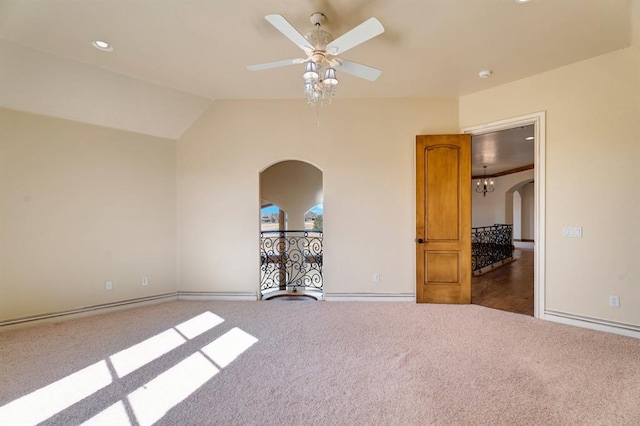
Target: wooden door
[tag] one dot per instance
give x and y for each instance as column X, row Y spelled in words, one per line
column 443, row 219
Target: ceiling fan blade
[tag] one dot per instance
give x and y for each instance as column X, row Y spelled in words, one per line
column 363, row 32
column 269, row 65
column 359, row 70
column 289, row 31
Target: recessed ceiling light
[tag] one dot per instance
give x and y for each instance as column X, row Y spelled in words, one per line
column 102, row 45
column 521, row 1
column 485, row 73
column 529, row 138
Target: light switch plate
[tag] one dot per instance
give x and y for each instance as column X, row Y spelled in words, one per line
column 572, row 231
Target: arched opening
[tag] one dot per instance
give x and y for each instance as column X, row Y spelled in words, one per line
column 520, row 207
column 517, row 216
column 291, row 230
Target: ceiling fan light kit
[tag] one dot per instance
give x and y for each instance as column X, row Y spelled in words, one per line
column 317, row 88
column 320, row 75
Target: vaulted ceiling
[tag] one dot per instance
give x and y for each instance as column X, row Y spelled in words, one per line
column 171, row 58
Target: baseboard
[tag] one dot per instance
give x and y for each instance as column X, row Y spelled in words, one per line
column 350, row 297
column 524, row 244
column 211, row 295
column 620, row 328
column 87, row 311
column 370, row 297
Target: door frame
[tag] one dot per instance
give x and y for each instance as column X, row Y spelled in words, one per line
column 538, row 119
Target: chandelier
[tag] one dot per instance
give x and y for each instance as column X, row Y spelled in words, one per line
column 484, row 184
column 319, row 88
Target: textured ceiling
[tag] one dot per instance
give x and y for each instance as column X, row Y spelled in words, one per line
column 431, row 48
column 502, row 151
column 171, row 58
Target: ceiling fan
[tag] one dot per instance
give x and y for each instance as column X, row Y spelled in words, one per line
column 322, row 51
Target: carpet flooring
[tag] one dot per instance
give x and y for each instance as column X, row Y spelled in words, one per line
column 316, row 363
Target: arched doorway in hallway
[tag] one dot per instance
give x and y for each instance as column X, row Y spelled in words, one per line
column 291, row 230
column 520, row 200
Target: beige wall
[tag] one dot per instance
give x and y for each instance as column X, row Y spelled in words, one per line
column 517, row 215
column 592, row 157
column 79, row 205
column 365, row 149
column 635, row 23
column 82, row 204
column 527, row 206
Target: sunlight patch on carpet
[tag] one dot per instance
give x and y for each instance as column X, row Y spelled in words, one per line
column 199, row 324
column 136, row 356
column 229, row 346
column 52, row 399
column 153, row 400
column 114, row 415
column 45, row 402
column 141, row 354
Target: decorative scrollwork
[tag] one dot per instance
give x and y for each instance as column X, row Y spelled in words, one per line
column 490, row 244
column 291, row 259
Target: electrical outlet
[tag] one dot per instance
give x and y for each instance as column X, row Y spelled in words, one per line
column 614, row 301
column 145, row 280
column 376, row 277
column 108, row 285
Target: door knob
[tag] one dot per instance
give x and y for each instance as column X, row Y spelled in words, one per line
column 419, row 241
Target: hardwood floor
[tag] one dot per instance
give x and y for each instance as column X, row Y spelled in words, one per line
column 509, row 287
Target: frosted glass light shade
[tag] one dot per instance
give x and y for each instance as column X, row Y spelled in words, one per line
column 330, row 77
column 310, row 71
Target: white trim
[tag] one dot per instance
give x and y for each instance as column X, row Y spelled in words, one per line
column 538, row 120
column 87, row 311
column 211, row 295
column 370, row 297
column 622, row 329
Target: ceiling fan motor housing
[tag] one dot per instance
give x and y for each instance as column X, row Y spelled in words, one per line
column 318, row 19
column 319, row 40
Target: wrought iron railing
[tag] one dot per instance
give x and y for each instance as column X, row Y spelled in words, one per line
column 490, row 245
column 290, row 260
